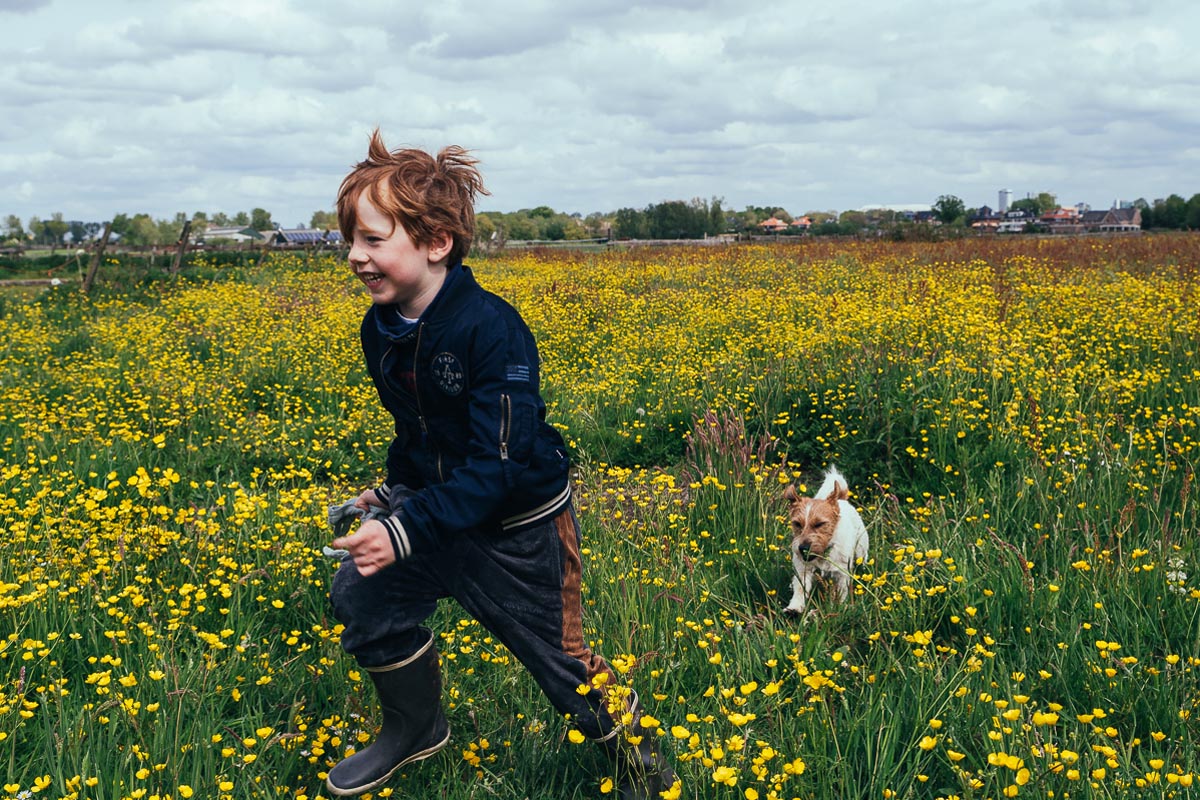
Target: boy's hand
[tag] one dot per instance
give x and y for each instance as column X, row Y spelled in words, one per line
column 370, row 547
column 368, row 500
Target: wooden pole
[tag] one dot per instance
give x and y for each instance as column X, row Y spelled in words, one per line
column 183, row 243
column 90, row 278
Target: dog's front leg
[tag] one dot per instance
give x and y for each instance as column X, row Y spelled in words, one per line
column 801, row 589
column 841, row 581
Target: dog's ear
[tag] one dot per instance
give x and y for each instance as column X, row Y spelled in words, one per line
column 790, row 495
column 840, row 492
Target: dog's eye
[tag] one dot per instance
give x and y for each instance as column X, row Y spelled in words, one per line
column 820, row 524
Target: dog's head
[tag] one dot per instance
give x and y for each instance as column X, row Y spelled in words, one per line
column 813, row 521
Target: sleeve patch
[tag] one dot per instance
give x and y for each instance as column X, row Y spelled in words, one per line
column 517, row 372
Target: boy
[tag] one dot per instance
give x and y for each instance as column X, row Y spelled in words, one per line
column 477, row 500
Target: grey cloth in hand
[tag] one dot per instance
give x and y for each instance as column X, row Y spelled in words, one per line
column 342, row 516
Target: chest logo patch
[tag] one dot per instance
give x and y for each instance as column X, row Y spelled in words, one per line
column 448, row 374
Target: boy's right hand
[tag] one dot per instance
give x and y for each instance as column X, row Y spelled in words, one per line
column 370, row 547
column 368, row 500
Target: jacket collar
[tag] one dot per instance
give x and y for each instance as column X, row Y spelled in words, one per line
column 455, row 289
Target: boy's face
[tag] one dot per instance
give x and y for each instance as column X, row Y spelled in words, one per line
column 394, row 269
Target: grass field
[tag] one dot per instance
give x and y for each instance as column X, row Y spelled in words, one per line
column 1018, row 420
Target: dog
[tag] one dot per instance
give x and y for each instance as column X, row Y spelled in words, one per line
column 828, row 537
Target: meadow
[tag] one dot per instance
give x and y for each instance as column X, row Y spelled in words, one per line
column 1019, row 421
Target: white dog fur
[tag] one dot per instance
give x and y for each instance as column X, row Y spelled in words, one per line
column 828, row 538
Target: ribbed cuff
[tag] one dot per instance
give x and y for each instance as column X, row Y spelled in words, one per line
column 399, row 538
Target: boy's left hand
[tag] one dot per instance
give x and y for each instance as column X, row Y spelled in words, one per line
column 370, row 547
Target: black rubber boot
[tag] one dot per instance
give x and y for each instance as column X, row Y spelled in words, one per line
column 414, row 726
column 642, row 770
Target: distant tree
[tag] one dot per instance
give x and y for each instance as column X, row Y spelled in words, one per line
column 629, row 223
column 1026, row 204
column 1045, row 201
column 545, row 212
column 77, row 230
column 260, row 219
column 521, row 227
column 221, row 220
column 37, row 231
column 597, row 225
column 169, row 231
column 749, row 217
column 121, row 225
column 199, row 223
column 484, row 228
column 324, row 220
column 13, row 229
column 140, row 231
column 241, row 219
column 949, row 209
column 55, row 227
column 670, row 220
column 1170, row 213
column 716, row 217
column 850, row 222
column 1192, row 220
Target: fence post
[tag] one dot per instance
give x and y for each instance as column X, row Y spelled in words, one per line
column 90, row 278
column 183, row 243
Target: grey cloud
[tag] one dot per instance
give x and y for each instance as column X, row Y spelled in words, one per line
column 22, row 6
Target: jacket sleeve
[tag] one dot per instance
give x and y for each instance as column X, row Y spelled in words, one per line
column 504, row 409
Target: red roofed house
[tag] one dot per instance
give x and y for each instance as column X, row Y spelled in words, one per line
column 1061, row 220
column 772, row 225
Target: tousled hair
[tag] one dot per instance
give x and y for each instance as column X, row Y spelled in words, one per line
column 426, row 195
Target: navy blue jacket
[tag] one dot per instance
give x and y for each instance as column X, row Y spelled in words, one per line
column 471, row 440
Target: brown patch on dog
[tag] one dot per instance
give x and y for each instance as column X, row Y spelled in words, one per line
column 813, row 521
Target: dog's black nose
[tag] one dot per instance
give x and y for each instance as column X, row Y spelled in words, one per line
column 804, row 552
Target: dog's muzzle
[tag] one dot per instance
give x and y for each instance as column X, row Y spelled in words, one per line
column 805, row 552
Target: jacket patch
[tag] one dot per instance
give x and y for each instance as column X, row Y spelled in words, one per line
column 448, row 373
column 517, row 372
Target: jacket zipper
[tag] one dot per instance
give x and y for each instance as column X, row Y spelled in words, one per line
column 505, row 424
column 416, row 396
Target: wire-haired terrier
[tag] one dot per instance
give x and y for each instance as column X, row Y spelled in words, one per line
column 828, row 538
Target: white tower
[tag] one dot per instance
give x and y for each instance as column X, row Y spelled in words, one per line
column 1005, row 197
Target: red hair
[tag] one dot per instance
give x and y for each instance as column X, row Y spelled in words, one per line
column 429, row 197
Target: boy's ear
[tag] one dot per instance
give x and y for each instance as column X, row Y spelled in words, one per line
column 441, row 245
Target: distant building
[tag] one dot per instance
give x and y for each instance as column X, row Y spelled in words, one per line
column 1005, row 200
column 239, row 234
column 299, row 237
column 1115, row 220
column 985, row 220
column 772, row 225
column 1062, row 220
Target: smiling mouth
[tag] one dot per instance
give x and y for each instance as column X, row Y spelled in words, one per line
column 371, row 279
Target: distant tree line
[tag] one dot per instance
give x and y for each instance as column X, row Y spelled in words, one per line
column 1173, row 213
column 541, row 224
column 671, row 219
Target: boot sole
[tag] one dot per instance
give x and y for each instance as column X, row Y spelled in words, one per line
column 343, row 791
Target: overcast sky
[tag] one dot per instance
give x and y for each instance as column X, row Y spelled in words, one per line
column 161, row 106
